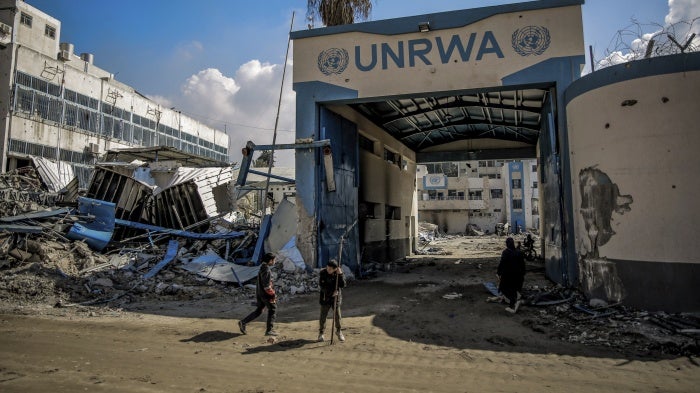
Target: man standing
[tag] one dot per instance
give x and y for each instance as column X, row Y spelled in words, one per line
column 511, row 274
column 265, row 297
column 330, row 282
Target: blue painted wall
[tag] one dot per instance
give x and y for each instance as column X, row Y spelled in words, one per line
column 517, row 218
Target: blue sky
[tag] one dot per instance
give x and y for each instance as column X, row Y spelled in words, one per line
column 220, row 61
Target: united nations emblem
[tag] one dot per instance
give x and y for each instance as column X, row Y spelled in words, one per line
column 531, row 40
column 333, row 61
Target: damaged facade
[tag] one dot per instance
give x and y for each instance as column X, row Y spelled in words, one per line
column 390, row 97
column 479, row 195
column 633, row 140
column 615, row 150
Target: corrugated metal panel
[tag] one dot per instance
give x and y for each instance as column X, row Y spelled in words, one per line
column 56, row 177
column 207, row 180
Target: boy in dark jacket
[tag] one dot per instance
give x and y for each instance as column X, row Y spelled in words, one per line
column 265, row 297
column 511, row 274
column 330, row 281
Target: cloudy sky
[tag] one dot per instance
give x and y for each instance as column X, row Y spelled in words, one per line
column 221, row 61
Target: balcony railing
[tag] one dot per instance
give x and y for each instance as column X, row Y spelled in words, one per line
column 445, row 198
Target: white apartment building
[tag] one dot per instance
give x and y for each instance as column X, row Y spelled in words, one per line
column 59, row 105
column 484, row 193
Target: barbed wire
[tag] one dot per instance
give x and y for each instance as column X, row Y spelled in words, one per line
column 645, row 40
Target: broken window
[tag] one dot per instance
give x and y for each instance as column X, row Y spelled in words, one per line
column 50, row 32
column 391, row 157
column 475, row 195
column 367, row 210
column 26, row 19
column 517, row 203
column 392, row 212
column 366, row 143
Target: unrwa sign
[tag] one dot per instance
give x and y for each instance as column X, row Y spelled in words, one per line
column 530, row 40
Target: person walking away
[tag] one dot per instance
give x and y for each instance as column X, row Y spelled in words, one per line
column 511, row 275
column 265, row 297
column 330, row 282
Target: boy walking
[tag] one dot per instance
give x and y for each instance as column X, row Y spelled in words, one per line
column 265, row 297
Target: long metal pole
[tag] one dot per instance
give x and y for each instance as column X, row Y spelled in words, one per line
column 340, row 266
column 277, row 119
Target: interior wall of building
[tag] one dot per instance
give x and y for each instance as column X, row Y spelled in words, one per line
column 388, row 192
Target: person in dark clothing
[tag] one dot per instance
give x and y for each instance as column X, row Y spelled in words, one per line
column 330, row 282
column 529, row 242
column 511, row 275
column 265, row 297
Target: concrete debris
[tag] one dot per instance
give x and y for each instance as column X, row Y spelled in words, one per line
column 566, row 315
column 87, row 251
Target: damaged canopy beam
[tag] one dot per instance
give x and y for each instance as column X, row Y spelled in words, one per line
column 181, row 233
column 251, row 147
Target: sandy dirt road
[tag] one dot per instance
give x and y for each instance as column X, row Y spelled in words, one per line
column 402, row 334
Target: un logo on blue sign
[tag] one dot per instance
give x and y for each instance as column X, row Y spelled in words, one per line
column 333, row 61
column 531, row 40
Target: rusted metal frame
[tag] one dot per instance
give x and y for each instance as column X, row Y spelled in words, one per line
column 165, row 211
column 181, row 214
column 192, row 209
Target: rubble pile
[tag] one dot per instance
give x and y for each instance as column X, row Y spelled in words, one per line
column 21, row 190
column 67, row 274
column 567, row 315
column 132, row 237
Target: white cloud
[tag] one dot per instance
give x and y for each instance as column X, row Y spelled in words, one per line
column 680, row 23
column 682, row 10
column 245, row 105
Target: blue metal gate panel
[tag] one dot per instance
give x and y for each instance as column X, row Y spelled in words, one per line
column 337, row 212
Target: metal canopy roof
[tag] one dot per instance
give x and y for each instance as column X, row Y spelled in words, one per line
column 160, row 153
column 423, row 122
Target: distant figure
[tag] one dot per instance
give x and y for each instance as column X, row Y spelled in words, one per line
column 330, row 282
column 511, row 275
column 529, row 248
column 506, row 228
column 529, row 242
column 265, row 297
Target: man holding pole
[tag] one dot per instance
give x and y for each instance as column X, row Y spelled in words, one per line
column 330, row 282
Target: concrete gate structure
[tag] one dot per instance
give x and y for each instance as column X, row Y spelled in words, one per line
column 617, row 149
column 473, row 84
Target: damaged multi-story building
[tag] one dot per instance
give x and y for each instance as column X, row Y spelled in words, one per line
column 457, row 196
column 59, row 105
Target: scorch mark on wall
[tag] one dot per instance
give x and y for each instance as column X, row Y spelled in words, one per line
column 600, row 197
